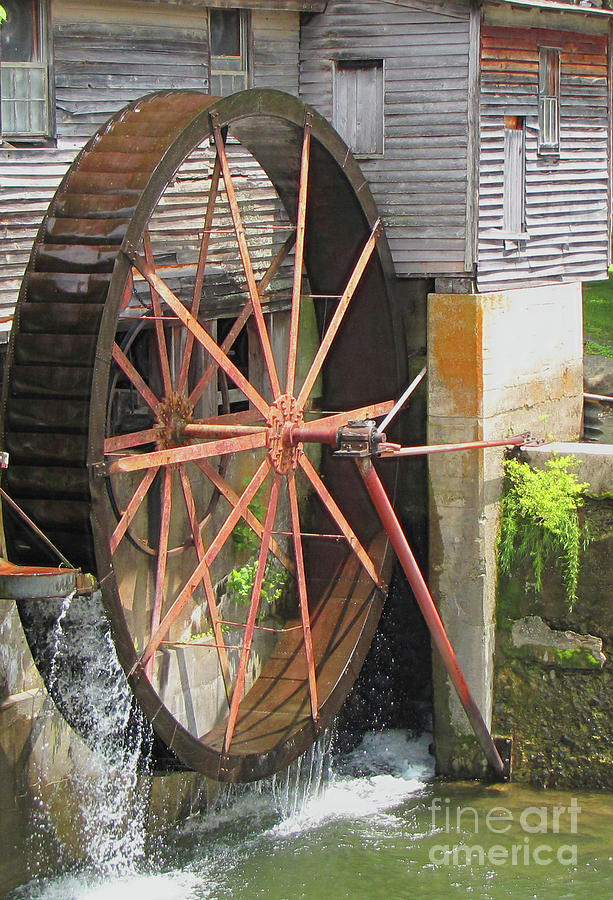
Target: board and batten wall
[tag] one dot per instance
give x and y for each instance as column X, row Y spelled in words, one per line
column 566, row 196
column 105, row 54
column 420, row 180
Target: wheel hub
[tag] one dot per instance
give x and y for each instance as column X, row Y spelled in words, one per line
column 283, row 452
column 174, row 413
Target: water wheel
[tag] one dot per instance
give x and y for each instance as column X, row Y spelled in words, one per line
column 209, row 287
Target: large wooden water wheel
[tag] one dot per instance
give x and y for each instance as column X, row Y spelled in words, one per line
column 209, row 288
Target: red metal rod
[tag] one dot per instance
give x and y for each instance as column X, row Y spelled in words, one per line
column 515, row 441
column 256, row 596
column 426, row 604
column 298, row 257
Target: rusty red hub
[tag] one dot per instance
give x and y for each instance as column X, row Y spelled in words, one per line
column 284, row 452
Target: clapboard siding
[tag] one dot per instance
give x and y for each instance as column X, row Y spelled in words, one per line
column 420, row 183
column 275, row 37
column 106, row 54
column 567, row 207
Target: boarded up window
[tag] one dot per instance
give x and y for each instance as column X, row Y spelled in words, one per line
column 24, row 84
column 358, row 104
column 549, row 99
column 228, row 31
column 514, row 175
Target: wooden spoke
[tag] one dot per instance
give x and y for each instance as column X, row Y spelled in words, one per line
column 132, row 508
column 162, row 558
column 199, row 280
column 254, row 607
column 302, row 594
column 202, row 336
column 237, row 513
column 132, row 439
column 338, row 316
column 137, row 380
column 332, row 508
column 207, row 584
column 292, row 352
column 254, row 523
column 159, row 325
column 138, row 461
column 241, row 239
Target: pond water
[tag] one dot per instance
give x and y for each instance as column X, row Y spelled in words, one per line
column 380, row 826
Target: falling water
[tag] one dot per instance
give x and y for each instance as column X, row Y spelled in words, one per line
column 108, row 783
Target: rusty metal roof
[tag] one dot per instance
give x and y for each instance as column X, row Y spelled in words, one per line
column 588, row 7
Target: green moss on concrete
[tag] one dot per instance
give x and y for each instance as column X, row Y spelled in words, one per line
column 573, row 658
column 559, row 714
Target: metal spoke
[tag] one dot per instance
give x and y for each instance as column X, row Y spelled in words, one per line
column 159, row 325
column 373, row 411
column 254, row 523
column 338, row 316
column 209, row 590
column 337, row 516
column 199, row 280
column 254, row 607
column 241, row 239
column 242, row 319
column 162, row 558
column 131, row 439
column 207, row 561
column 132, row 508
column 167, row 457
column 302, row 595
column 201, row 335
column 137, row 380
column 299, row 257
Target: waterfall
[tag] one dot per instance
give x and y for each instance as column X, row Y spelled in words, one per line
column 108, row 785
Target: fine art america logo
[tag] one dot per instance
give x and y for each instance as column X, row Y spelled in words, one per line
column 532, row 841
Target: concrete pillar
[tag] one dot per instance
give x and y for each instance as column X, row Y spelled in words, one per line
column 498, row 364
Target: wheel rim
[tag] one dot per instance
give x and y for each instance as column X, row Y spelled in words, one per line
column 272, row 690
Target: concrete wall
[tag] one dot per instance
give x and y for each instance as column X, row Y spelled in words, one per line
column 499, row 364
column 554, row 675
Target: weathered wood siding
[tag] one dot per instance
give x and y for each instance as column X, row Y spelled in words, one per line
column 104, row 55
column 566, row 199
column 421, row 180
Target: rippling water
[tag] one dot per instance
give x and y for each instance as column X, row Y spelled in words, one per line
column 381, row 827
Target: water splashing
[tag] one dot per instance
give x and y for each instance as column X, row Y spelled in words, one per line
column 108, row 784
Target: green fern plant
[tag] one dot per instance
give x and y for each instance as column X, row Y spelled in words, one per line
column 540, row 520
column 240, row 583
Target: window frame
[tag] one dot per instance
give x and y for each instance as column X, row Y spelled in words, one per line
column 344, row 64
column 549, row 99
column 220, row 64
column 46, row 136
column 514, row 179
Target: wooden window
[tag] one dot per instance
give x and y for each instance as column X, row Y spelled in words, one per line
column 549, row 100
column 514, row 177
column 228, row 36
column 358, row 104
column 24, row 69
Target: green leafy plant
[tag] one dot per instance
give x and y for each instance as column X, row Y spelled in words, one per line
column 593, row 348
column 540, row 520
column 240, row 583
column 243, row 536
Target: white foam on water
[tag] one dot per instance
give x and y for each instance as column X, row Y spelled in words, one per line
column 176, row 885
column 378, row 775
